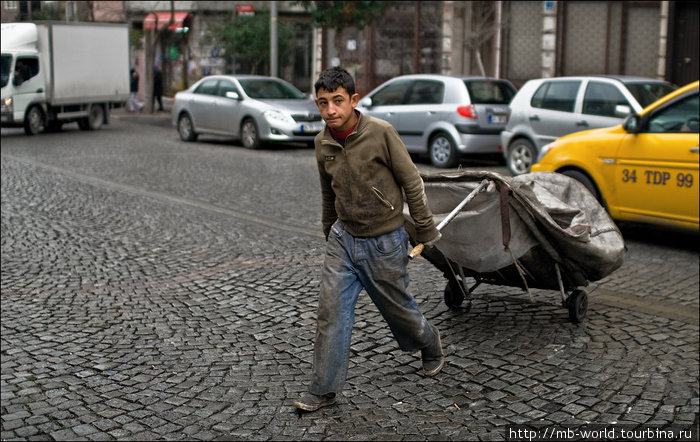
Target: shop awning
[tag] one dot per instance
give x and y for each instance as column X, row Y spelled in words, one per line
column 163, row 18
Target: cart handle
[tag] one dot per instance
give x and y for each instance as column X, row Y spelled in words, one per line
column 417, row 250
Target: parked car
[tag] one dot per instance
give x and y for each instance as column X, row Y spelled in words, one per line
column 644, row 170
column 441, row 115
column 254, row 109
column 548, row 108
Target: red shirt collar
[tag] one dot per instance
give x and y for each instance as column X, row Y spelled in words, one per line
column 342, row 135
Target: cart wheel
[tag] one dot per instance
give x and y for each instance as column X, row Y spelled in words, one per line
column 578, row 306
column 454, row 297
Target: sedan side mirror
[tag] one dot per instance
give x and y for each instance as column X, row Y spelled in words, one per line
column 366, row 102
column 622, row 110
column 631, row 124
column 233, row 95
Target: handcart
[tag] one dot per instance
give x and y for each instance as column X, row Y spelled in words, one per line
column 539, row 230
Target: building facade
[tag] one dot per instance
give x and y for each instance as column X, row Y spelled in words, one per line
column 517, row 40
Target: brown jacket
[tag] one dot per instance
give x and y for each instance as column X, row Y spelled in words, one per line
column 362, row 183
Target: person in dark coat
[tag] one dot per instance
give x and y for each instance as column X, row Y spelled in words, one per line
column 157, row 87
column 134, row 104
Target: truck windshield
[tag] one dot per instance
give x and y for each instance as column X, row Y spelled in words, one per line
column 6, row 65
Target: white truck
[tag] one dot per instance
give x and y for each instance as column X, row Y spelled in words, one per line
column 59, row 72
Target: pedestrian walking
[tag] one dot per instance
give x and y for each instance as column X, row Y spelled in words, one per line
column 157, row 87
column 134, row 104
column 365, row 170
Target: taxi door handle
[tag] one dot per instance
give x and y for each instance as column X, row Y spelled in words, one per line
column 534, row 118
column 695, row 149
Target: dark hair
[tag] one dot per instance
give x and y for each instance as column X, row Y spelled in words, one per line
column 332, row 78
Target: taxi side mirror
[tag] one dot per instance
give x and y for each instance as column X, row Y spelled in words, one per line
column 631, row 124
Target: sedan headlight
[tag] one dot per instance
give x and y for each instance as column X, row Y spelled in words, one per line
column 277, row 116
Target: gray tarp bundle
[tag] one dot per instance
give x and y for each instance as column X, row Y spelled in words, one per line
column 528, row 223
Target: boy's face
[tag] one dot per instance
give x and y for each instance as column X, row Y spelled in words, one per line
column 337, row 108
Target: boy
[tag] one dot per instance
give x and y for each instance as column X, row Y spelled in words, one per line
column 365, row 170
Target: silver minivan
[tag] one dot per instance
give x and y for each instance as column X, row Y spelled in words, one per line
column 548, row 108
column 443, row 116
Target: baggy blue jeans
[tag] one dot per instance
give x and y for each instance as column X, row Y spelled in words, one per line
column 377, row 264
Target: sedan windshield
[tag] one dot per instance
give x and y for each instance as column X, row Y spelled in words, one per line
column 647, row 93
column 270, row 89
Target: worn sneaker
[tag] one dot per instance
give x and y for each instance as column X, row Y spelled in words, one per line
column 312, row 402
column 432, row 356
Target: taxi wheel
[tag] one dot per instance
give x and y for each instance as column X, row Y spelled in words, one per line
column 583, row 179
column 521, row 156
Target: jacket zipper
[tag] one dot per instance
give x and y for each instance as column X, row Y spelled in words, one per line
column 381, row 197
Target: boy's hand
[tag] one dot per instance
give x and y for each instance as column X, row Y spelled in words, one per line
column 433, row 241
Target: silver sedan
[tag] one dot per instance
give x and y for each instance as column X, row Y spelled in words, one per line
column 254, row 109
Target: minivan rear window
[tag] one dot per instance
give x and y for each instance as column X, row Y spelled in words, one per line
column 556, row 95
column 489, row 91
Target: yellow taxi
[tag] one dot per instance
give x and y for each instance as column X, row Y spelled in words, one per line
column 644, row 170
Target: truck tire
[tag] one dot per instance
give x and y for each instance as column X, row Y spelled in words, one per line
column 95, row 118
column 34, row 121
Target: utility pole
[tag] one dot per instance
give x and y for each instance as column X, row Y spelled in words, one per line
column 273, row 39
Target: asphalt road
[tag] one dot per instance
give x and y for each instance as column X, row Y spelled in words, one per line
column 153, row 289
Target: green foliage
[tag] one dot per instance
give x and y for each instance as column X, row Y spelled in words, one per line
column 136, row 39
column 248, row 38
column 341, row 14
column 48, row 12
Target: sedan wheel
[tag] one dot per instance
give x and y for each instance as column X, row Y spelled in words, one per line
column 442, row 151
column 521, row 157
column 249, row 134
column 34, row 121
column 185, row 128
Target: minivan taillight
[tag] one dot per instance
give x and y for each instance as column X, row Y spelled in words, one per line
column 467, row 111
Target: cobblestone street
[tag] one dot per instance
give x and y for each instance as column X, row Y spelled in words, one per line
column 160, row 290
